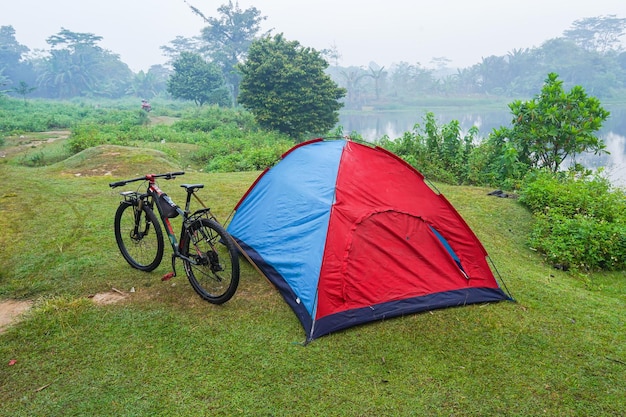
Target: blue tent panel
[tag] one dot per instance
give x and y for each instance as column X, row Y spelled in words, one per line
column 291, row 204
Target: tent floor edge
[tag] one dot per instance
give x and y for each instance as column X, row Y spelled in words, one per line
column 455, row 298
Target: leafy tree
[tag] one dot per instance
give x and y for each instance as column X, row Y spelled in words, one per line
column 3, row 82
column 378, row 74
column 197, row 80
column 411, row 79
column 23, row 89
column 228, row 38
column 601, row 34
column 179, row 45
column 493, row 74
column 11, row 50
column 555, row 125
column 12, row 54
column 149, row 84
column 77, row 66
column 352, row 77
column 285, row 87
column 621, row 61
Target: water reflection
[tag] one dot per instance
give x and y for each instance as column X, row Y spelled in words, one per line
column 373, row 126
column 614, row 163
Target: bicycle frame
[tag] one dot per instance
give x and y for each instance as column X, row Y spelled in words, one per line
column 209, row 254
column 152, row 197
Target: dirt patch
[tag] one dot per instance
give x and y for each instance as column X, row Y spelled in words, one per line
column 110, row 297
column 15, row 145
column 10, row 311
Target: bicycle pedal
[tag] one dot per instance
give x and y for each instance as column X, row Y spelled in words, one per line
column 168, row 276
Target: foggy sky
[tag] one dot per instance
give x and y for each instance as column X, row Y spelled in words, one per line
column 386, row 32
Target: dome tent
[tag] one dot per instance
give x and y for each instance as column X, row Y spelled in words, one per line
column 350, row 233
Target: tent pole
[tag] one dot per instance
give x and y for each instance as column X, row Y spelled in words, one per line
column 252, row 262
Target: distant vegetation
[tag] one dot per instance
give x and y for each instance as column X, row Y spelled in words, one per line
column 590, row 53
column 224, row 140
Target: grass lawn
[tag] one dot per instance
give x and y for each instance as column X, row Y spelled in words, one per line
column 559, row 350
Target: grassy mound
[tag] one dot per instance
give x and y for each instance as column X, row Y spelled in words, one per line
column 118, row 161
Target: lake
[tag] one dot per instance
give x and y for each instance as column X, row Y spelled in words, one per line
column 374, row 125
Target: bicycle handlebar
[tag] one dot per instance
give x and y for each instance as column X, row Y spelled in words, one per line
column 147, row 177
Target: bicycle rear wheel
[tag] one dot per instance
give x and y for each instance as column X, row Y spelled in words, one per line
column 139, row 236
column 214, row 272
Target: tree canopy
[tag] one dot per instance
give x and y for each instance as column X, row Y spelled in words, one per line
column 600, row 33
column 13, row 66
column 226, row 39
column 285, row 87
column 555, row 125
column 77, row 66
column 197, row 80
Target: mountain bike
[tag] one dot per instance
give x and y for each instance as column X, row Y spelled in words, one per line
column 208, row 253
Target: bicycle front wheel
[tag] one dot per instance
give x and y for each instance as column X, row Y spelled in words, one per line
column 139, row 236
column 213, row 265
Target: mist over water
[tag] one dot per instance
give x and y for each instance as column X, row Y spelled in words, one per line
column 374, row 125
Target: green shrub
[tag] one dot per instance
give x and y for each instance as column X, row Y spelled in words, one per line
column 89, row 135
column 441, row 153
column 209, row 118
column 572, row 194
column 580, row 242
column 580, row 220
column 255, row 151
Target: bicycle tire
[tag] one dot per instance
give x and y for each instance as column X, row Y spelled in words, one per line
column 215, row 274
column 142, row 249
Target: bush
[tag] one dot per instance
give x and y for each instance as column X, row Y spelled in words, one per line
column 573, row 194
column 580, row 242
column 89, row 135
column 252, row 151
column 208, row 119
column 441, row 153
column 42, row 115
column 496, row 162
column 580, row 220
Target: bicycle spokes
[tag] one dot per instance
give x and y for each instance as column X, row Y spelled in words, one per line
column 204, row 239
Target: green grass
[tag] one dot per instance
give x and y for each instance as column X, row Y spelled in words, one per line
column 560, row 350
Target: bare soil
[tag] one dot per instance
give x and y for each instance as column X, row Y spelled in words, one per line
column 18, row 144
column 10, row 311
column 110, row 297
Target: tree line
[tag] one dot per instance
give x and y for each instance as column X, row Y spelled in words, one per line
column 590, row 53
